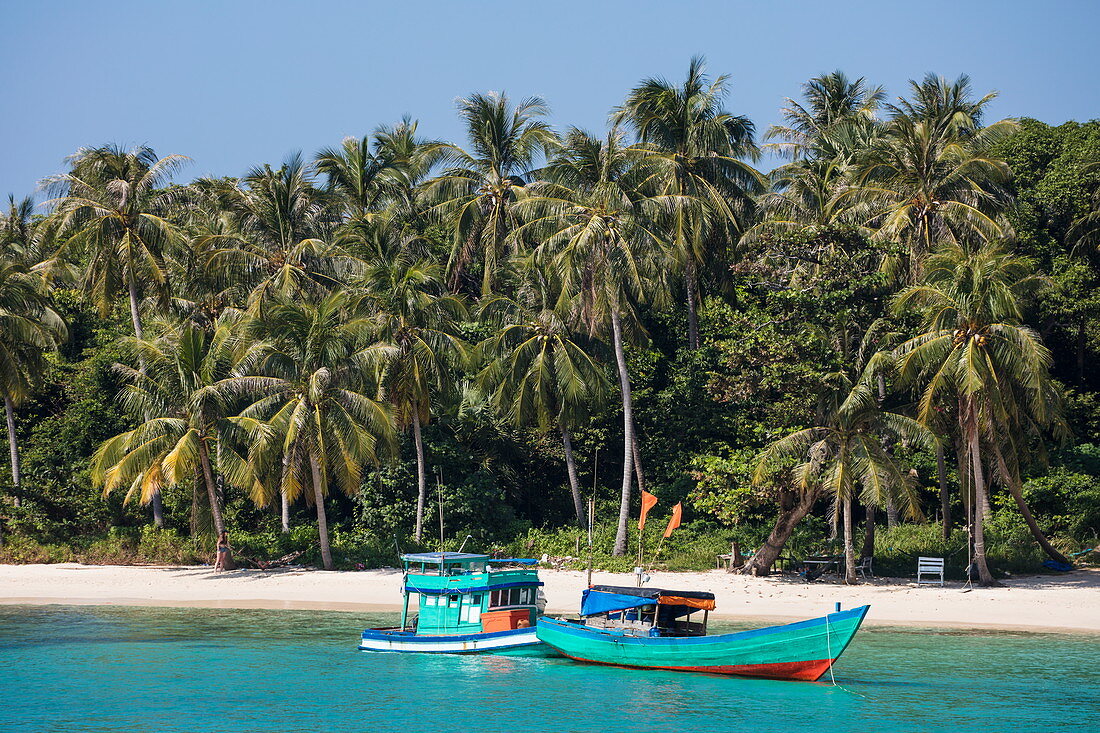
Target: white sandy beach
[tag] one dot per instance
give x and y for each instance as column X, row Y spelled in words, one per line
column 1069, row 602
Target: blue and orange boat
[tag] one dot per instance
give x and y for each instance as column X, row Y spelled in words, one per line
column 653, row 629
column 468, row 604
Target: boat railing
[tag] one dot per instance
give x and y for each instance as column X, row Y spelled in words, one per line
column 602, row 622
column 685, row 628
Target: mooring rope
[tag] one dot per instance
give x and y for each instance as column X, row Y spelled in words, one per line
column 829, row 646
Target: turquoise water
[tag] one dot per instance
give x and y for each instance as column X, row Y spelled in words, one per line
column 66, row 668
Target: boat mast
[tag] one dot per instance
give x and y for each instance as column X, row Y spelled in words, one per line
column 405, row 593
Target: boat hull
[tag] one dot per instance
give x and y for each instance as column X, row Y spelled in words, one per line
column 515, row 642
column 799, row 651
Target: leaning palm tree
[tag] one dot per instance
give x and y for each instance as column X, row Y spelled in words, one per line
column 844, row 454
column 29, row 326
column 695, row 151
column 182, row 413
column 931, row 177
column 415, row 324
column 475, row 192
column 539, row 374
column 112, row 211
column 598, row 239
column 976, row 359
column 311, row 421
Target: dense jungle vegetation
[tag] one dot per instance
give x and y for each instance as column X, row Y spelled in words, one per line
column 885, row 346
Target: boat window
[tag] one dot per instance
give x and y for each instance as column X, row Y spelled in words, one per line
column 452, row 601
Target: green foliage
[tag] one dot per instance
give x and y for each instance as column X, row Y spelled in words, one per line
column 791, row 286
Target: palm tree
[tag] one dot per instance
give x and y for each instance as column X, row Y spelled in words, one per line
column 931, row 177
column 175, row 394
column 598, row 241
column 416, row 327
column 695, row 150
column 379, row 175
column 311, row 414
column 825, row 135
column 975, row 358
column 113, row 209
column 844, row 455
column 829, row 102
column 539, row 375
column 281, row 246
column 476, row 190
column 29, row 326
column 20, row 234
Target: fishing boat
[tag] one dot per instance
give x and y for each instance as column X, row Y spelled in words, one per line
column 468, row 604
column 654, row 629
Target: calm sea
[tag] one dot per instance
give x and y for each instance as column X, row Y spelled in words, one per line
column 65, row 668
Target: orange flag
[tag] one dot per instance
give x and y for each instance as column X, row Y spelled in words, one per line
column 674, row 520
column 648, row 500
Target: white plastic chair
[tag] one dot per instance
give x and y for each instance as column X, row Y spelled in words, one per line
column 931, row 566
column 864, row 568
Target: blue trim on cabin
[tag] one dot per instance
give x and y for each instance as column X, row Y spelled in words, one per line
column 435, row 558
column 458, row 590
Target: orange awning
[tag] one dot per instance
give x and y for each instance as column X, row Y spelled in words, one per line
column 705, row 604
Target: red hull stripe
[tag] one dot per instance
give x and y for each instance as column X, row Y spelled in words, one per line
column 805, row 670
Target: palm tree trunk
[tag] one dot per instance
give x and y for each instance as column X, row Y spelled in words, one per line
column 574, row 482
column 196, row 505
column 628, row 435
column 211, row 488
column 984, row 576
column 284, row 512
column 421, row 473
column 322, row 518
column 637, row 453
column 945, row 499
column 869, row 533
column 964, row 477
column 891, row 512
column 791, row 512
column 13, row 446
column 983, row 499
column 849, row 544
column 135, row 318
column 1018, row 494
column 692, row 287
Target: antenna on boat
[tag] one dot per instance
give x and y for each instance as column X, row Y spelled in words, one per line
column 592, row 512
column 468, row 537
column 439, row 493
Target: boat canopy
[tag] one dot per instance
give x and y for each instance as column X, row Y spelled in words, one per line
column 611, row 598
column 438, row 558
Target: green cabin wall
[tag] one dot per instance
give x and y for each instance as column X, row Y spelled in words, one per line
column 438, row 614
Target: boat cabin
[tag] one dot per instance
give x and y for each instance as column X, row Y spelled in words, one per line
column 464, row 593
column 646, row 611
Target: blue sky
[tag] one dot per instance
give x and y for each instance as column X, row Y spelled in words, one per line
column 233, row 84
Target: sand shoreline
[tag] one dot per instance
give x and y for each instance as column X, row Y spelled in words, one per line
column 1068, row 603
